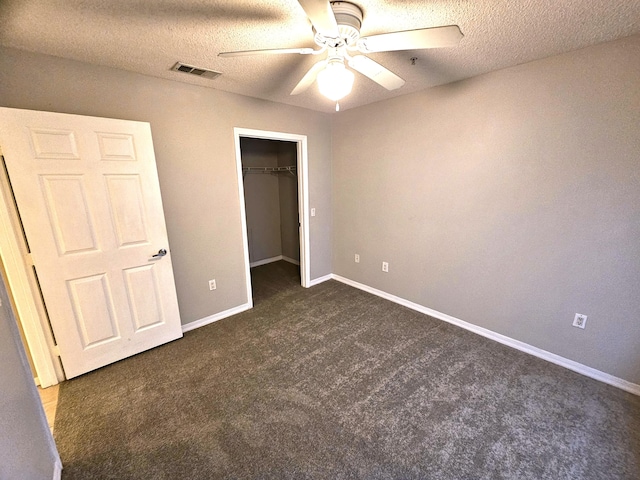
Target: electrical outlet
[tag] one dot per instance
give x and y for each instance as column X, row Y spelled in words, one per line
column 313, row 212
column 357, row 258
column 212, row 284
column 385, row 266
column 580, row 320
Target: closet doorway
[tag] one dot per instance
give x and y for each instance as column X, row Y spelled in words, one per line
column 273, row 188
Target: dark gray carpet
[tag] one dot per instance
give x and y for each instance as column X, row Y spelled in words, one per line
column 331, row 382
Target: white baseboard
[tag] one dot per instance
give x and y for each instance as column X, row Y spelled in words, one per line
column 290, row 260
column 214, row 318
column 264, row 261
column 318, row 280
column 517, row 344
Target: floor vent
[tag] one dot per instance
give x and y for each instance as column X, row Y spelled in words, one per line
column 200, row 72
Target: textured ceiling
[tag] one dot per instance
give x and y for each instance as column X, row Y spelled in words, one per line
column 150, row 36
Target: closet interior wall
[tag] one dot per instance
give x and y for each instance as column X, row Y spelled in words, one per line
column 271, row 200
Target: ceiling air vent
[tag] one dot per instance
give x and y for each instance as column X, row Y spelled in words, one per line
column 200, row 72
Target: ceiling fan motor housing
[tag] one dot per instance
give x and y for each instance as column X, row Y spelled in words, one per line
column 349, row 20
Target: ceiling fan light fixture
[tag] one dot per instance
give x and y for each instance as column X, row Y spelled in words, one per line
column 335, row 81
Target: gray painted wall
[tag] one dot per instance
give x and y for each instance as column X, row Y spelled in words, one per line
column 192, row 129
column 511, row 201
column 27, row 450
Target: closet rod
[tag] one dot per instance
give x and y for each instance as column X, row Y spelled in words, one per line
column 272, row 170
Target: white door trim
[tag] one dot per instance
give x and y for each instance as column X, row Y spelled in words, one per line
column 303, row 198
column 17, row 272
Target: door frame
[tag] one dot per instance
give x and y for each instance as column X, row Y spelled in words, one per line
column 302, row 162
column 18, row 271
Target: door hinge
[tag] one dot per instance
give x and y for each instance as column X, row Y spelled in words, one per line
column 29, row 259
column 55, row 350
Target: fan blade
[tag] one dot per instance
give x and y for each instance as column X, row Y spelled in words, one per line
column 321, row 16
column 435, row 37
column 272, row 51
column 308, row 78
column 376, row 72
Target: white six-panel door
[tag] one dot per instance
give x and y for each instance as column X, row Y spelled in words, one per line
column 88, row 194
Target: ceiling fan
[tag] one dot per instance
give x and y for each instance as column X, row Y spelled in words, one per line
column 336, row 29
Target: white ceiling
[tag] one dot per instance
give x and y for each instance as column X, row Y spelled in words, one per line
column 150, row 36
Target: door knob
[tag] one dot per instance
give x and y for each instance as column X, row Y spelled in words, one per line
column 161, row 253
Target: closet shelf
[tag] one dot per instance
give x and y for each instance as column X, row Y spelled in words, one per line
column 270, row 170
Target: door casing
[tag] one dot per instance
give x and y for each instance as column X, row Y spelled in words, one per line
column 303, row 199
